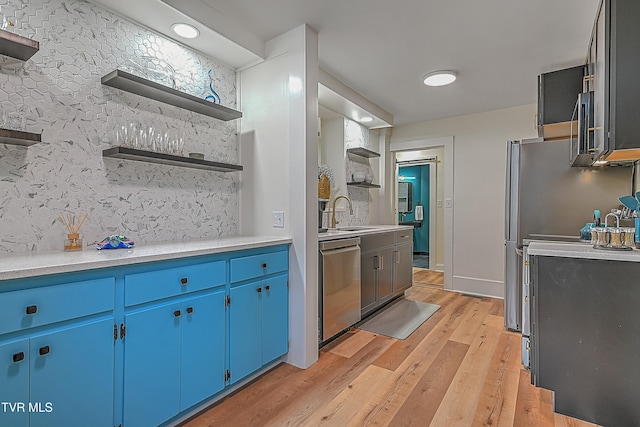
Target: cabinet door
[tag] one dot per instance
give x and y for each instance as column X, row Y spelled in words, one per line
column 152, row 365
column 72, row 376
column 600, row 104
column 203, row 348
column 275, row 318
column 404, row 268
column 385, row 275
column 14, row 382
column 244, row 330
column 368, row 269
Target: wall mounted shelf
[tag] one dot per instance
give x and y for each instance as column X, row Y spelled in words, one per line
column 140, row 86
column 18, row 137
column 17, row 47
column 362, row 185
column 363, row 152
column 168, row 159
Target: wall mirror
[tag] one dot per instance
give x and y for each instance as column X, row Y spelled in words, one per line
column 405, row 197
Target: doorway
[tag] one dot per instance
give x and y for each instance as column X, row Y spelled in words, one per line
column 416, row 196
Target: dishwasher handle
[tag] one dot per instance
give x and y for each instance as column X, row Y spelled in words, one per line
column 339, row 243
column 339, row 250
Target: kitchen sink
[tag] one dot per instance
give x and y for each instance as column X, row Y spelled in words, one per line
column 335, row 230
column 355, row 228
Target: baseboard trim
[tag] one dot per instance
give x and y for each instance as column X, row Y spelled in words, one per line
column 478, row 287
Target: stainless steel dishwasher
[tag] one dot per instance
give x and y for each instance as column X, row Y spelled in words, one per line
column 339, row 286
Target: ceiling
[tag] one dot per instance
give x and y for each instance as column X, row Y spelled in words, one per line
column 382, row 49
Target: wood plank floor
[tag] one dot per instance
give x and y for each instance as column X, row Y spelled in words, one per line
column 459, row 368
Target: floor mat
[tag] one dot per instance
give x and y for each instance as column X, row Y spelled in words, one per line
column 421, row 261
column 400, row 319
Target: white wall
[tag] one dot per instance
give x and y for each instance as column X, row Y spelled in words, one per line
column 278, row 147
column 479, row 186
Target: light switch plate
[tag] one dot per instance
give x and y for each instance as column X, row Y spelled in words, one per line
column 278, row 219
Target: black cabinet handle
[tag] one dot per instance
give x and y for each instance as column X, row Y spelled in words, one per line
column 44, row 350
column 177, row 313
column 267, row 288
column 184, row 280
column 189, row 310
column 18, row 357
column 264, row 265
column 259, row 290
column 32, row 309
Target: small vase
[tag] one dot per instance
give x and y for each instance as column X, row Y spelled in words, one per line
column 73, row 242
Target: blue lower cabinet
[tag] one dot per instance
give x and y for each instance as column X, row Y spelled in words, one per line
column 14, row 383
column 275, row 318
column 203, row 348
column 152, row 365
column 245, row 332
column 72, row 376
column 174, row 357
column 258, row 325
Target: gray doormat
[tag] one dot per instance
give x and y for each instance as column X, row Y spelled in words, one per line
column 400, row 319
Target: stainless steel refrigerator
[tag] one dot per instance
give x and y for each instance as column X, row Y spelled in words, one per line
column 546, row 196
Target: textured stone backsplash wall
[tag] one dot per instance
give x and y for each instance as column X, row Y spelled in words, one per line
column 355, row 135
column 59, row 92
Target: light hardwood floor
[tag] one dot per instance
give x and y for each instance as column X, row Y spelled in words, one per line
column 460, row 368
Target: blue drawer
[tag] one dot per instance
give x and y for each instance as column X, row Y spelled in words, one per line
column 168, row 282
column 251, row 267
column 49, row 304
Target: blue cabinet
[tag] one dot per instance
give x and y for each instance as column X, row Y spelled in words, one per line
column 14, row 381
column 203, row 348
column 174, row 357
column 142, row 346
column 152, row 365
column 49, row 378
column 275, row 318
column 68, row 369
column 258, row 324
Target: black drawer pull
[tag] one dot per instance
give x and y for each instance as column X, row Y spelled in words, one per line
column 264, row 265
column 267, row 288
column 184, row 280
column 32, row 309
column 259, row 290
column 177, row 313
column 189, row 310
column 44, row 350
column 18, row 357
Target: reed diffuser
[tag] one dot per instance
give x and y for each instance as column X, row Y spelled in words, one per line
column 73, row 242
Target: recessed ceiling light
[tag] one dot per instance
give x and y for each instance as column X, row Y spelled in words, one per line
column 185, row 30
column 366, row 119
column 439, row 78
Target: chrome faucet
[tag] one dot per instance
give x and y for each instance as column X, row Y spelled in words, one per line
column 333, row 211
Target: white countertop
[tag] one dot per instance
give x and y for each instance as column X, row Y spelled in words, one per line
column 30, row 264
column 581, row 250
column 361, row 230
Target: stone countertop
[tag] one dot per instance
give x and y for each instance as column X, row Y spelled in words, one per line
column 581, row 250
column 357, row 231
column 30, row 264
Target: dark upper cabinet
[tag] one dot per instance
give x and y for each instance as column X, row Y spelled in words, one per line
column 557, row 95
column 614, row 61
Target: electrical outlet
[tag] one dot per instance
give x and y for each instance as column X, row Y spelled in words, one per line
column 439, row 203
column 278, row 219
